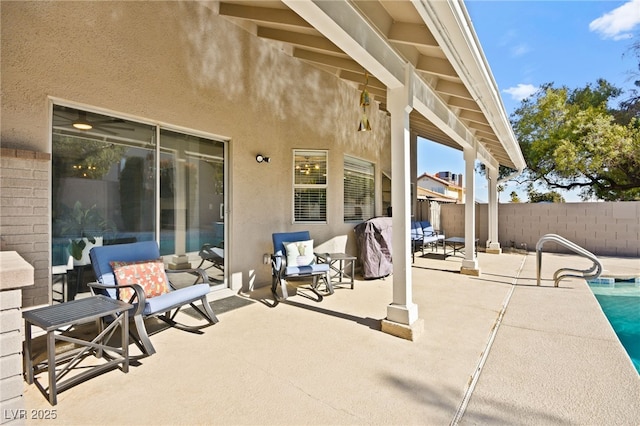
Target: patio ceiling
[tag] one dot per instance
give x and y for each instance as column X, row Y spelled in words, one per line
column 442, row 50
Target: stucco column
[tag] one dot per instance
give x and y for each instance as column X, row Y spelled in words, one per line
column 470, row 262
column 493, row 245
column 402, row 314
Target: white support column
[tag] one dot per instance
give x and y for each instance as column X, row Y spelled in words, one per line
column 493, row 245
column 470, row 262
column 402, row 315
column 180, row 260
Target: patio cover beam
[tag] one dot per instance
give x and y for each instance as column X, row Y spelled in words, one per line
column 435, row 110
column 263, row 15
column 343, row 25
column 450, row 26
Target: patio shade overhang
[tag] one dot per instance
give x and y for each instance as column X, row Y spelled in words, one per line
column 455, row 98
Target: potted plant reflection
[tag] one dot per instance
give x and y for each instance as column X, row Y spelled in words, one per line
column 85, row 228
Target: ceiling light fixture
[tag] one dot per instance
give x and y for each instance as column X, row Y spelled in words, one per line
column 81, row 123
column 365, row 101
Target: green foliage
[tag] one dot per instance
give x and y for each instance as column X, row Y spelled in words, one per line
column 514, row 197
column 78, row 223
column 540, row 197
column 630, row 106
column 571, row 140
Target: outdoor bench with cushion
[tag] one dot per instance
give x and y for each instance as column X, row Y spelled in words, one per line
column 135, row 273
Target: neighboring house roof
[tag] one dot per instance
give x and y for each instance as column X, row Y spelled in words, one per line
column 430, row 44
column 439, row 180
column 424, row 193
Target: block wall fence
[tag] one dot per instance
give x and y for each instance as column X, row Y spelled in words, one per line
column 603, row 228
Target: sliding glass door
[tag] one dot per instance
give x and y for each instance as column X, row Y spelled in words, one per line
column 116, row 181
column 191, row 195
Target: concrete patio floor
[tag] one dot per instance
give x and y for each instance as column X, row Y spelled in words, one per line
column 544, row 355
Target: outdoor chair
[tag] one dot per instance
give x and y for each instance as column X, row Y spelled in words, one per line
column 135, row 273
column 213, row 255
column 417, row 238
column 432, row 236
column 60, row 274
column 293, row 257
column 422, row 236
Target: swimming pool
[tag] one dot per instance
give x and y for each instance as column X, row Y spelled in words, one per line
column 620, row 302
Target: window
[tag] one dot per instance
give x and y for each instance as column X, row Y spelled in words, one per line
column 359, row 190
column 120, row 181
column 309, row 186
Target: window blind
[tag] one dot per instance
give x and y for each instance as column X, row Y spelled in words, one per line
column 310, row 186
column 359, row 190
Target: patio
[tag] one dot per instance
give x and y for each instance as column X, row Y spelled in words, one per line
column 554, row 358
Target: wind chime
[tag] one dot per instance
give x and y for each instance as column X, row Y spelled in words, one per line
column 365, row 101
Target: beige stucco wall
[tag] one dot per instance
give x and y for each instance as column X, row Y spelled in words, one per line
column 605, row 229
column 180, row 64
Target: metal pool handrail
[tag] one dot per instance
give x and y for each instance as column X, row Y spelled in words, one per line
column 590, row 273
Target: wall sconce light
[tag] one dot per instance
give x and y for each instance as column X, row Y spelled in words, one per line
column 365, row 101
column 262, row 159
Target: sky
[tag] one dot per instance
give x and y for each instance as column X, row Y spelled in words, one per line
column 529, row 43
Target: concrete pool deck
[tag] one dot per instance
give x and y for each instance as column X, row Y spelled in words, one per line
column 497, row 349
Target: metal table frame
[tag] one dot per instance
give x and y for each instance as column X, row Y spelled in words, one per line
column 343, row 261
column 53, row 318
column 458, row 245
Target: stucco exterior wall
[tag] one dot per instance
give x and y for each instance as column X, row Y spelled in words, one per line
column 178, row 63
column 605, row 229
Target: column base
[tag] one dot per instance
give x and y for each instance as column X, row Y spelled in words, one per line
column 470, row 267
column 179, row 261
column 494, row 248
column 405, row 331
column 475, row 272
column 470, row 271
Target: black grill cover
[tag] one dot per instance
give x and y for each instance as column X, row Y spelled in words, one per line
column 373, row 238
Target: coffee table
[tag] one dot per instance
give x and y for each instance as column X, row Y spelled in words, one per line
column 457, row 244
column 57, row 320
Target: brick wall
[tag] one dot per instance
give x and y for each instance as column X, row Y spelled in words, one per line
column 605, row 229
column 25, row 216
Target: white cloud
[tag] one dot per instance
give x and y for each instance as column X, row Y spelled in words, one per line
column 521, row 91
column 618, row 23
column 520, row 50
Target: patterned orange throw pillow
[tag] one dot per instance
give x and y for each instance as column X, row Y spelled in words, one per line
column 147, row 273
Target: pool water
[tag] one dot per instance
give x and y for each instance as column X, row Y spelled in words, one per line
column 620, row 302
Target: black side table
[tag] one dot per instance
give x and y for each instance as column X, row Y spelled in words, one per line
column 70, row 314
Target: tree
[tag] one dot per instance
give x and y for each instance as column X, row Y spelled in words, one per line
column 514, row 197
column 630, row 107
column 539, row 197
column 571, row 140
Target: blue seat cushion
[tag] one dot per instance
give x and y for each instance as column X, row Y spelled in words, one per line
column 175, row 298
column 416, row 231
column 430, row 238
column 316, row 268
